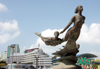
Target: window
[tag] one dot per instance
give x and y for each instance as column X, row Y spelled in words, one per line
column 23, row 66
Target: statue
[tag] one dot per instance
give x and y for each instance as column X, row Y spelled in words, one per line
column 78, row 21
column 52, row 41
column 68, row 53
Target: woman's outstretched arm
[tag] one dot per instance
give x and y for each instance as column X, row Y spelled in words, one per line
column 71, row 21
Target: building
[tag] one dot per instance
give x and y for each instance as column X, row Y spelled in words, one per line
column 40, row 59
column 35, row 57
column 17, row 57
column 16, row 66
column 13, row 48
column 3, row 55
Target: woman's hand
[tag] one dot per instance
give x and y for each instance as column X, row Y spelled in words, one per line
column 61, row 32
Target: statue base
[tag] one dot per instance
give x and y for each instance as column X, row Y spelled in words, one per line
column 63, row 66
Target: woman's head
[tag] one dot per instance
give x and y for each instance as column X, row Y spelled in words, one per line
column 79, row 8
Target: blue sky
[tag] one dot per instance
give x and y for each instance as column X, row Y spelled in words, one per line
column 20, row 19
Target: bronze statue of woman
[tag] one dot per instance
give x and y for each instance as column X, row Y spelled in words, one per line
column 73, row 32
column 68, row 53
column 78, row 21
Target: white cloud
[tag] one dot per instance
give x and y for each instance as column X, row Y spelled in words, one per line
column 8, row 30
column 89, row 35
column 2, row 8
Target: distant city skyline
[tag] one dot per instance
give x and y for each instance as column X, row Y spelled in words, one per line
column 20, row 19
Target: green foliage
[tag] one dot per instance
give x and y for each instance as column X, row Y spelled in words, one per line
column 3, row 63
column 95, row 66
column 83, row 61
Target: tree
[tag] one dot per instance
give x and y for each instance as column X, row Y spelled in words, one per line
column 3, row 63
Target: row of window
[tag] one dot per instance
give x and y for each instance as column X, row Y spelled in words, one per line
column 16, row 66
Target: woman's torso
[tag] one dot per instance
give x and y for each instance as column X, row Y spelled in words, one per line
column 78, row 22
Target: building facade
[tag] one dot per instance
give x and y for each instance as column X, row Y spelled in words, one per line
column 3, row 55
column 13, row 48
column 37, row 58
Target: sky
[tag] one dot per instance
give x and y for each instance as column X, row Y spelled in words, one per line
column 20, row 19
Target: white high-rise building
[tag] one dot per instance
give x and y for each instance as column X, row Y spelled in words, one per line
column 3, row 55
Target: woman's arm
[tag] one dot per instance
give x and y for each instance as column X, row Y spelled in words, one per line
column 71, row 21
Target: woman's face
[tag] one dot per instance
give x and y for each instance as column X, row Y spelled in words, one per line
column 80, row 8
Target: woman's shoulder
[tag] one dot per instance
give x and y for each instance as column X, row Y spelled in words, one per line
column 75, row 16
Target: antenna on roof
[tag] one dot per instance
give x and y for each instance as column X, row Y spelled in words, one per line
column 39, row 46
